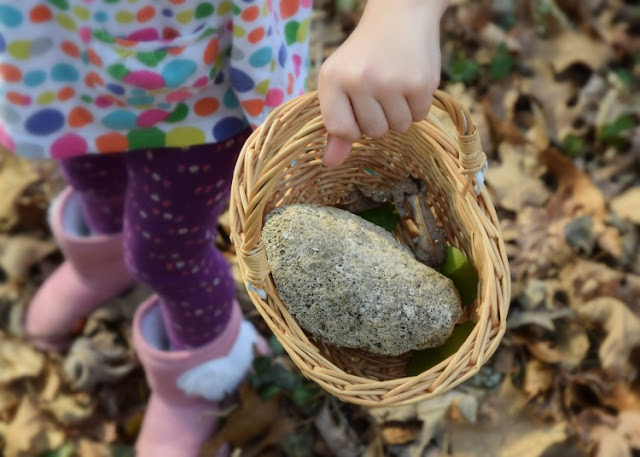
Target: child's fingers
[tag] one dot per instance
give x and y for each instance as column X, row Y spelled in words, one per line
column 337, row 113
column 420, row 105
column 398, row 113
column 370, row 115
column 340, row 122
column 336, row 152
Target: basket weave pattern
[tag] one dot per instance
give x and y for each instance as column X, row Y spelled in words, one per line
column 281, row 163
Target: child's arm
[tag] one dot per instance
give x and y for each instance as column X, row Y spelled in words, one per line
column 383, row 76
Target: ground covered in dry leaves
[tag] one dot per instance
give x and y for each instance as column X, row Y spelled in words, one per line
column 553, row 87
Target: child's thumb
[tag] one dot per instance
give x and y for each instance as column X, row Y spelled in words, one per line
column 336, row 152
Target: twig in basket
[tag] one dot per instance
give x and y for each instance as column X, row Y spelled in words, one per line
column 357, row 202
column 408, row 196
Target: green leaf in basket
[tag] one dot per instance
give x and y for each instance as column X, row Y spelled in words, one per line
column 457, row 267
column 427, row 358
column 384, row 216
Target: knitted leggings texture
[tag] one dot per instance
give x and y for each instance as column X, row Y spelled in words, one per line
column 167, row 202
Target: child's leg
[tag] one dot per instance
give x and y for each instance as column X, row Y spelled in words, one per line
column 190, row 336
column 174, row 199
column 86, row 221
column 100, row 182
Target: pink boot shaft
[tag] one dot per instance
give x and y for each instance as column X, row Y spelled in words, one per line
column 93, row 272
column 186, row 384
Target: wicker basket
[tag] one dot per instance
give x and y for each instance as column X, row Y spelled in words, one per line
column 281, row 163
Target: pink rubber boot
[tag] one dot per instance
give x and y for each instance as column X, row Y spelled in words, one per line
column 93, row 272
column 187, row 384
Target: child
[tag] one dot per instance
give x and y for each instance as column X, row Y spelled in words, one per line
column 384, row 75
column 178, row 85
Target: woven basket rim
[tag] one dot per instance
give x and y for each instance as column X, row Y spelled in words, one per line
column 268, row 162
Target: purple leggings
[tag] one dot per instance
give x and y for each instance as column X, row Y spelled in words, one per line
column 167, row 203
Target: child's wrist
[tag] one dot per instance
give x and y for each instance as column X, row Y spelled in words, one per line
column 433, row 8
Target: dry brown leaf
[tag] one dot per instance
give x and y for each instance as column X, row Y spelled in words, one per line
column 70, row 409
column 400, row 433
column 106, row 431
column 18, row 360
column 492, row 36
column 16, row 174
column 623, row 396
column 133, row 423
column 31, row 432
column 21, row 252
column 574, row 344
column 610, row 241
column 552, row 95
column 579, row 115
column 88, row 448
column 574, row 47
column 619, row 436
column 629, row 427
column 627, row 205
column 375, row 448
column 581, row 397
column 542, row 318
column 509, row 431
column 431, row 413
column 542, row 249
column 337, row 435
column 251, row 419
column 610, row 443
column 267, row 446
column 457, row 412
column 99, row 357
column 513, row 181
column 544, row 350
column 539, row 134
column 499, row 117
column 538, row 294
column 565, row 346
column 611, row 435
column 585, row 280
column 617, row 102
column 606, row 22
column 621, row 325
column 576, row 194
column 537, row 379
column 8, row 401
column 53, row 382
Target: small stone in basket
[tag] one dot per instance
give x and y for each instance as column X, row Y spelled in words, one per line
column 352, row 284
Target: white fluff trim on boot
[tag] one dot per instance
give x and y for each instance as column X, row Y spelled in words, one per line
column 216, row 378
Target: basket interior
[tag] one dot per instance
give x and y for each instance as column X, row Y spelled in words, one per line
column 380, row 163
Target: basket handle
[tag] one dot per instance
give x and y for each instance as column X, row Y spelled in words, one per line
column 472, row 159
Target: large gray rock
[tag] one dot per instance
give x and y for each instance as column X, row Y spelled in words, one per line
column 352, row 284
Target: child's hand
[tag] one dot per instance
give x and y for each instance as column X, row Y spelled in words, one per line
column 383, row 77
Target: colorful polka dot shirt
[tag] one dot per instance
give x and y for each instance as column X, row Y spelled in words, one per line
column 96, row 76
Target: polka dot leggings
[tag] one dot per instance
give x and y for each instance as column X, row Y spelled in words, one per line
column 167, row 202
